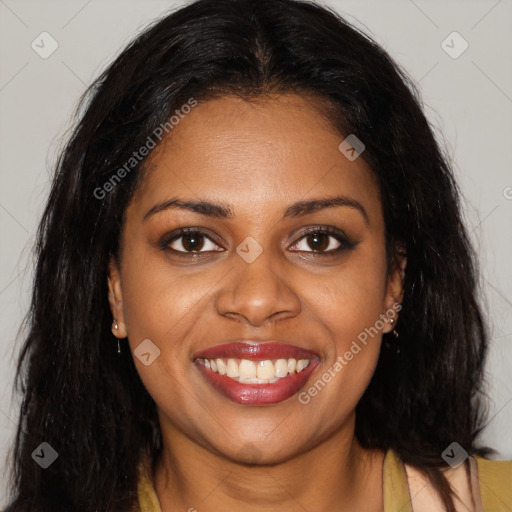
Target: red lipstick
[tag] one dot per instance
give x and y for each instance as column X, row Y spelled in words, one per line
column 256, row 394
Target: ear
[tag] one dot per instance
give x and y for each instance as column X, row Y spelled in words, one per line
column 395, row 289
column 115, row 298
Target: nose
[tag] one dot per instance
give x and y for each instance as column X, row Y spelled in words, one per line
column 256, row 293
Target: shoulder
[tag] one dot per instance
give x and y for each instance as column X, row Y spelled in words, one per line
column 486, row 486
column 148, row 500
column 495, row 479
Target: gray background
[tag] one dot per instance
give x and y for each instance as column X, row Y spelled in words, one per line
column 469, row 100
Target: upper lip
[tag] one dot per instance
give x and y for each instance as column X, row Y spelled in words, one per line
column 256, row 351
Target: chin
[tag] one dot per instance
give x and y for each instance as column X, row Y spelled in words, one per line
column 253, row 454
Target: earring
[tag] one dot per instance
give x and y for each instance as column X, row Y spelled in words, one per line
column 395, row 333
column 116, row 328
column 393, row 346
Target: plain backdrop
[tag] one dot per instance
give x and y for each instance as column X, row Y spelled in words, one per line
column 468, row 99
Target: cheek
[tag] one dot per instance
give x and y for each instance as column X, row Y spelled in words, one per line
column 159, row 303
column 166, row 307
column 348, row 305
column 351, row 299
column 161, row 307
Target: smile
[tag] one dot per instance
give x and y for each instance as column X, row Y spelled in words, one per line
column 256, row 373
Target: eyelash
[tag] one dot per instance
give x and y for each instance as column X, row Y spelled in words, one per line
column 338, row 235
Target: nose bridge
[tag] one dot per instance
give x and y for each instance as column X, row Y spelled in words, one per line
column 256, row 290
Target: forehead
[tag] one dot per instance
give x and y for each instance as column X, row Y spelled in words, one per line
column 275, row 150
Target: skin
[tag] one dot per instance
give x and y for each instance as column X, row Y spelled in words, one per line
column 271, row 153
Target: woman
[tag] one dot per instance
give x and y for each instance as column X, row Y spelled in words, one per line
column 254, row 290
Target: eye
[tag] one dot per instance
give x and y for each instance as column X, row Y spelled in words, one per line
column 191, row 241
column 319, row 241
column 323, row 240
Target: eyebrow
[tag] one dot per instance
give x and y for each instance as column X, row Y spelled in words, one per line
column 224, row 211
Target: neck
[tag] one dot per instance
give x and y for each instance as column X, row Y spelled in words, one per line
column 338, row 474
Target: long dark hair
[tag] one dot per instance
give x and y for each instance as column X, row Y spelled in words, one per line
column 87, row 401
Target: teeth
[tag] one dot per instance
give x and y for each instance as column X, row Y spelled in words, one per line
column 256, row 372
column 301, row 364
column 265, row 370
column 281, row 368
column 232, row 368
column 247, row 369
column 221, row 366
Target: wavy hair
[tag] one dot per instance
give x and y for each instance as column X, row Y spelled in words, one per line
column 88, row 402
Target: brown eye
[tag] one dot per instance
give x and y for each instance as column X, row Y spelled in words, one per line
column 192, row 241
column 321, row 241
column 318, row 241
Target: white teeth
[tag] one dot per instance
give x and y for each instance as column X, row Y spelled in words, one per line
column 281, row 367
column 258, row 381
column 232, row 368
column 301, row 364
column 221, row 366
column 247, row 369
column 265, row 370
column 257, row 372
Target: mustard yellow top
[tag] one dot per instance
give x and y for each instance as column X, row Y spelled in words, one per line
column 399, row 484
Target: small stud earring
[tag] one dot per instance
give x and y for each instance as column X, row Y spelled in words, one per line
column 115, row 326
column 395, row 333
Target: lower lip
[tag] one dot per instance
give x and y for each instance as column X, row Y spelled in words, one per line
column 258, row 394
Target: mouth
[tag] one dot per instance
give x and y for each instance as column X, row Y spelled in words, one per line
column 252, row 373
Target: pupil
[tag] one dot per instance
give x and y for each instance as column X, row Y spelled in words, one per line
column 321, row 244
column 193, row 242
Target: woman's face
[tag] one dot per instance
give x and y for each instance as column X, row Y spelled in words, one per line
column 254, row 274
